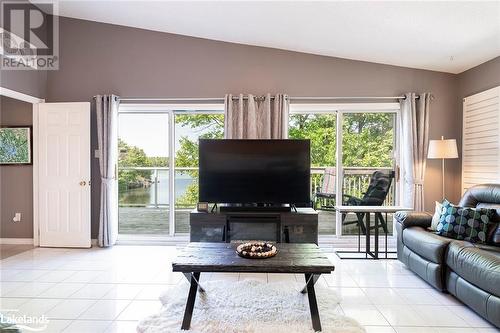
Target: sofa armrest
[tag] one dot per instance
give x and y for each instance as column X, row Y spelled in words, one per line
column 413, row 219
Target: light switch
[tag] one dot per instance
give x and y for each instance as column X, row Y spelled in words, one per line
column 17, row 217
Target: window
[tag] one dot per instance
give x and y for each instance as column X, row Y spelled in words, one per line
column 368, row 149
column 189, row 128
column 349, row 143
column 143, row 175
column 320, row 128
column 158, row 164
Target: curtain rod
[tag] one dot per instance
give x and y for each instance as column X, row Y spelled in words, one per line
column 217, row 99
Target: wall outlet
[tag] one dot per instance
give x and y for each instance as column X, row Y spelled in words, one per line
column 17, row 217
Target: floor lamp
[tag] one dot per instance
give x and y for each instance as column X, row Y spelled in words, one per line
column 443, row 149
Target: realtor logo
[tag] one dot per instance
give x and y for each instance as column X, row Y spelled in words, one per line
column 29, row 36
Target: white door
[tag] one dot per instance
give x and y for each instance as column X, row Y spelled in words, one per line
column 64, row 174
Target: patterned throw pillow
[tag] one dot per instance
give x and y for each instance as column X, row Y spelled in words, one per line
column 464, row 223
column 437, row 214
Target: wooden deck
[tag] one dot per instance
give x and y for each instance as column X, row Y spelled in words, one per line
column 154, row 221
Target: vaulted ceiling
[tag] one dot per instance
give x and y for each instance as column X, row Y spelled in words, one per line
column 442, row 36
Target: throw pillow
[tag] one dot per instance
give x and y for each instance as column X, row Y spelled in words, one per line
column 464, row 223
column 436, row 216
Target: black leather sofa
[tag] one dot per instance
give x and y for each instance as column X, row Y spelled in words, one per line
column 469, row 271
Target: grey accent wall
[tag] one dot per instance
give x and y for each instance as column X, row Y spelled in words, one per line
column 480, row 78
column 30, row 82
column 16, row 181
column 99, row 58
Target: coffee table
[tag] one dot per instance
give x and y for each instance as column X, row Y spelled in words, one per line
column 197, row 258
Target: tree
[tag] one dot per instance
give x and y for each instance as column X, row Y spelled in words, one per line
column 367, row 141
column 206, row 126
column 367, row 138
column 131, row 156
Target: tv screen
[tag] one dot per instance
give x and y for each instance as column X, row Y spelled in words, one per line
column 254, row 171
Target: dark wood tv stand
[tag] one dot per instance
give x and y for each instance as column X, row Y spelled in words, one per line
column 293, row 227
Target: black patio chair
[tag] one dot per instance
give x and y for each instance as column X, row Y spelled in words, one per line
column 375, row 195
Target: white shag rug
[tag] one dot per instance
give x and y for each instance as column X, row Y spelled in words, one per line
column 248, row 306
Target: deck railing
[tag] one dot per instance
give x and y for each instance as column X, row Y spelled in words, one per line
column 355, row 182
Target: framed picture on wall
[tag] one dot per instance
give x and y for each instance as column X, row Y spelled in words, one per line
column 16, row 146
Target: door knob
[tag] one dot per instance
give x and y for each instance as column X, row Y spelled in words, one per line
column 82, row 183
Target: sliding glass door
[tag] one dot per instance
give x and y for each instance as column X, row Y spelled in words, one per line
column 320, row 128
column 158, row 164
column 352, row 146
column 143, row 177
column 189, row 128
column 368, row 165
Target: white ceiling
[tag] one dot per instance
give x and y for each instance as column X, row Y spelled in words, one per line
column 442, row 36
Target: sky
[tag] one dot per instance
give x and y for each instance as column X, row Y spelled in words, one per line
column 150, row 132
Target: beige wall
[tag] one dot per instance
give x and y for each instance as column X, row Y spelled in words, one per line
column 16, row 181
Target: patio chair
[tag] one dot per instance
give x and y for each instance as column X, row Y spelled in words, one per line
column 375, row 195
column 326, row 193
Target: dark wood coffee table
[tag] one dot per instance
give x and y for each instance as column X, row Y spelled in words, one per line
column 197, row 258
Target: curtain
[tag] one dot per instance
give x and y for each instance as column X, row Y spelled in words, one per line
column 254, row 117
column 106, row 107
column 414, row 146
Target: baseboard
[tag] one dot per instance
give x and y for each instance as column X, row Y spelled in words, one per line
column 93, row 242
column 16, row 241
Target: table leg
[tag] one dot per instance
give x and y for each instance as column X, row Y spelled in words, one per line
column 314, row 278
column 368, row 246
column 386, row 231
column 376, row 235
column 359, row 238
column 188, row 313
column 313, row 304
column 189, row 277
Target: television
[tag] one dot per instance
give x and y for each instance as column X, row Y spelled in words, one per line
column 254, row 172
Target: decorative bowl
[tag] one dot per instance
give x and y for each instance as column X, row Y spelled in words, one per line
column 256, row 250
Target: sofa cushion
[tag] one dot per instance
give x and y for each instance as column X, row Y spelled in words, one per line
column 475, row 264
column 466, row 223
column 426, row 244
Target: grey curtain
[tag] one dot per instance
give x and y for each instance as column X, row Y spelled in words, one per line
column 251, row 117
column 106, row 107
column 414, row 146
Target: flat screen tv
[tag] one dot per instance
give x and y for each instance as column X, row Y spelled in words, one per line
column 254, row 171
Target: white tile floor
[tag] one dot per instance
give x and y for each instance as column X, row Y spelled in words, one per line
column 108, row 290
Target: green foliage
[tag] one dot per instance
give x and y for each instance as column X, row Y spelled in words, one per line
column 367, row 142
column 367, row 138
column 207, row 126
column 320, row 129
column 132, row 156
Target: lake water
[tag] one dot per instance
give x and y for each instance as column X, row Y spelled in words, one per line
column 146, row 196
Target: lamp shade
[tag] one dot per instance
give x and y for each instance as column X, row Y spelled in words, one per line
column 443, row 149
